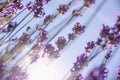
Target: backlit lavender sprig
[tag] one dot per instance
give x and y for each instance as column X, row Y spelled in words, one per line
column 118, row 74
column 17, row 74
column 12, row 7
column 99, row 73
column 2, row 67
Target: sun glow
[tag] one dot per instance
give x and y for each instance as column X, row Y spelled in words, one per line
column 40, row 71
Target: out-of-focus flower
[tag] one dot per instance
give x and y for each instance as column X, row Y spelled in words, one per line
column 118, row 75
column 76, row 13
column 38, row 12
column 2, row 67
column 24, row 39
column 11, row 26
column 71, row 36
column 29, row 6
column 80, row 61
column 48, row 19
column 43, row 35
column 90, row 46
column 79, row 77
column 17, row 74
column 61, row 42
column 63, row 9
column 89, row 2
column 49, row 48
column 99, row 41
column 99, row 73
column 78, row 28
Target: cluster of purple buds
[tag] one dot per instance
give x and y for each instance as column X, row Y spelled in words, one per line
column 105, row 31
column 37, row 8
column 78, row 28
column 89, row 2
column 61, row 42
column 100, row 73
column 38, row 12
column 45, row 1
column 99, row 41
column 76, row 13
column 35, row 51
column 79, row 77
column 43, row 35
column 80, row 61
column 48, row 50
column 118, row 75
column 29, row 6
column 2, row 67
column 35, row 57
column 48, row 19
column 17, row 4
column 5, row 15
column 63, row 9
column 17, row 74
column 11, row 26
column 89, row 46
column 110, row 35
column 24, row 39
column 118, row 24
column 71, row 36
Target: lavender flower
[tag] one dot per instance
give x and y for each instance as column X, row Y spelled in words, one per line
column 90, row 46
column 17, row 74
column 118, row 75
column 99, row 73
column 48, row 19
column 2, row 67
column 79, row 77
column 43, row 35
column 105, row 31
column 24, row 39
column 78, row 29
column 48, row 50
column 89, row 2
column 63, row 9
column 11, row 26
column 80, row 61
column 71, row 36
column 61, row 42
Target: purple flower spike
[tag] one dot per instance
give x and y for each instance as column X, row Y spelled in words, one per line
column 80, row 61
column 38, row 12
column 99, row 73
column 105, row 31
column 63, row 9
column 49, row 48
column 79, row 77
column 118, row 75
column 11, row 26
column 24, row 39
column 48, row 19
column 29, row 6
column 78, row 29
column 71, row 36
column 42, row 35
column 90, row 46
column 89, row 2
column 17, row 74
column 2, row 67
column 61, row 42
column 46, row 1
